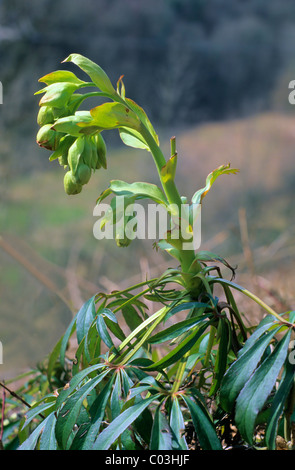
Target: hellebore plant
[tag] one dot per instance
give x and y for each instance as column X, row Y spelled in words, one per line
column 134, row 382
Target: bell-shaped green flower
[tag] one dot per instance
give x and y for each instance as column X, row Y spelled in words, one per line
column 48, row 138
column 45, row 115
column 71, row 185
column 83, row 173
column 101, row 151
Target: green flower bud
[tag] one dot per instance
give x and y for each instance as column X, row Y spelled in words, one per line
column 83, row 173
column 48, row 138
column 101, row 150
column 93, row 158
column 45, row 116
column 70, row 184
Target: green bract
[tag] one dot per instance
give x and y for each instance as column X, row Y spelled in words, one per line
column 57, row 95
column 48, row 138
column 45, row 115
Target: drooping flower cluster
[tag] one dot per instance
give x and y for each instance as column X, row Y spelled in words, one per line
column 80, row 151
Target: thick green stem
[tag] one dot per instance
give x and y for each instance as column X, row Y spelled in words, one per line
column 186, row 256
column 208, row 353
column 180, row 373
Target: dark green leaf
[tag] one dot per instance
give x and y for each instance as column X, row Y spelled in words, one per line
column 203, row 424
column 177, row 426
column 176, row 330
column 48, row 440
column 131, row 317
column 97, row 413
column 278, row 405
column 68, row 415
column 30, row 443
column 109, row 314
column 65, row 339
column 85, row 317
column 75, row 382
column 44, row 405
column 187, row 306
column 178, row 352
column 257, row 389
column 115, row 401
column 103, row 332
column 263, row 326
column 221, row 356
column 241, row 370
column 161, row 438
column 118, row 426
column 115, row 329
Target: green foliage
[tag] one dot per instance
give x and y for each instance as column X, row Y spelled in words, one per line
column 138, row 380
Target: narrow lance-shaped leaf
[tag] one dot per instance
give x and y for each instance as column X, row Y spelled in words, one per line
column 278, row 405
column 178, row 352
column 31, row 442
column 161, row 438
column 175, row 330
column 75, row 382
column 241, row 370
column 97, row 413
column 38, row 408
column 69, row 413
column 257, row 389
column 118, row 426
column 177, row 426
column 48, row 440
column 203, row 425
column 85, row 317
column 221, row 356
column 103, row 332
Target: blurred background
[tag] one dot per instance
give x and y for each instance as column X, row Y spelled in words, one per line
column 213, row 73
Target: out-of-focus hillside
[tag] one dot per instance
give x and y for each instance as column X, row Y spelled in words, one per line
column 49, row 257
column 184, row 61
